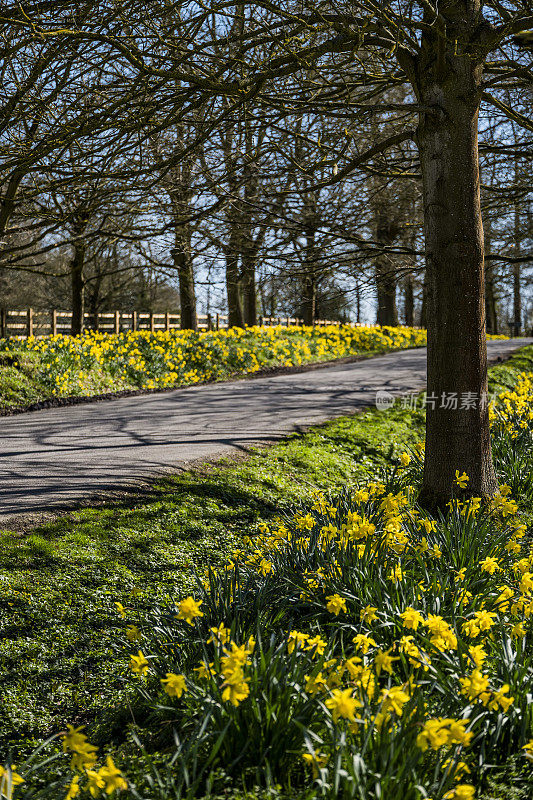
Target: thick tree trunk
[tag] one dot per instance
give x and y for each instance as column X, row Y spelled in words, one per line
column 309, row 269
column 233, row 286
column 517, row 301
column 386, row 231
column 517, row 293
column 249, row 289
column 93, row 306
column 457, row 422
column 409, row 236
column 491, row 312
column 424, row 304
column 308, row 306
column 181, row 256
column 490, row 300
column 77, row 288
column 387, row 313
column 409, row 300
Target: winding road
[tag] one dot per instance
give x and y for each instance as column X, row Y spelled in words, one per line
column 59, row 458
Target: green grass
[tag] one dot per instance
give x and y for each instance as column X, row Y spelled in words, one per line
column 20, row 384
column 59, row 582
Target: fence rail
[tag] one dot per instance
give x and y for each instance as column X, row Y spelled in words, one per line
column 29, row 322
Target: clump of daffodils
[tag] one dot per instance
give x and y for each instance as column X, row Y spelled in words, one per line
column 402, row 622
column 98, row 362
column 357, row 643
column 106, row 778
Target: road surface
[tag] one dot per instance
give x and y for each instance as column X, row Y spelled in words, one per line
column 59, row 458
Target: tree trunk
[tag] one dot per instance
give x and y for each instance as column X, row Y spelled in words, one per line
column 490, row 300
column 409, row 238
column 409, row 300
column 94, row 301
column 517, row 294
column 424, row 304
column 181, row 256
column 249, row 289
column 386, row 231
column 309, row 267
column 233, row 285
column 308, row 307
column 491, row 312
column 77, row 287
column 457, row 438
column 387, row 313
column 517, row 301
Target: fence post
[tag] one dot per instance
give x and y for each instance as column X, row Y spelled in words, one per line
column 209, row 322
column 167, row 321
column 29, row 322
column 134, row 320
column 53, row 322
column 3, row 323
column 260, row 320
column 116, row 326
column 152, row 322
column 217, row 321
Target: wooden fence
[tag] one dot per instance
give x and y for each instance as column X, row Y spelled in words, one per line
column 45, row 323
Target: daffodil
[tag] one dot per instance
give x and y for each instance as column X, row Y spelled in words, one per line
column 335, row 604
column 139, row 664
column 461, row 480
column 174, row 685
column 343, row 704
column 411, row 618
column 189, row 609
column 9, row 780
column 112, row 777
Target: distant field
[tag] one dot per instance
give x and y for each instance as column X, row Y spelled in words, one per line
column 32, row 370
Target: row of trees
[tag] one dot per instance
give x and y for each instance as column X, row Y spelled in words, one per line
column 255, row 199
column 301, row 146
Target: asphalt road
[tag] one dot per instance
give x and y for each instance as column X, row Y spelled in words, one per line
column 63, row 457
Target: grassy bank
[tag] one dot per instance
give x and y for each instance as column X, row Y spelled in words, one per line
column 60, row 584
column 33, row 370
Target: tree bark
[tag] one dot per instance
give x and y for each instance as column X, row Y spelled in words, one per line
column 409, row 300
column 456, row 438
column 491, row 312
column 309, row 267
column 308, row 307
column 387, row 313
column 386, row 231
column 424, row 304
column 181, row 256
column 517, row 293
column 409, row 239
column 249, row 289
column 233, row 284
column 517, row 301
column 94, row 301
column 490, row 300
column 77, row 286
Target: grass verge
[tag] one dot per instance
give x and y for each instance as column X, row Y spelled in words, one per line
column 60, row 583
